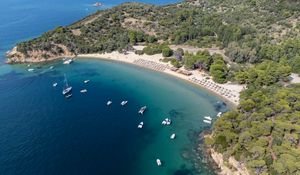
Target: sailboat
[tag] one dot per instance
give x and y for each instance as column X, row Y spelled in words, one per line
column 67, row 89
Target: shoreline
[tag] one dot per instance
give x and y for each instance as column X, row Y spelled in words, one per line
column 228, row 92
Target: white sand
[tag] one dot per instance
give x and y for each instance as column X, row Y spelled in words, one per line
column 228, row 91
column 295, row 78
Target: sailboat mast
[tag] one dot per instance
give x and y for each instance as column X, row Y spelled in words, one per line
column 66, row 81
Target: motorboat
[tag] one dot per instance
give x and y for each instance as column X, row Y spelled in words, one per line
column 68, row 61
column 83, row 91
column 54, row 84
column 207, row 121
column 173, row 136
column 86, row 81
column 124, row 103
column 142, row 110
column 166, row 121
column 109, row 103
column 140, row 126
column 97, row 4
column 208, row 117
column 158, row 162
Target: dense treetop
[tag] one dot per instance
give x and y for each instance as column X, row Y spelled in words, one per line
column 263, row 131
column 250, row 31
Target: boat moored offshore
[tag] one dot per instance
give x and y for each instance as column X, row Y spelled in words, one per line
column 140, row 126
column 208, row 117
column 124, row 103
column 207, row 121
column 173, row 136
column 109, row 103
column 158, row 162
column 67, row 89
column 83, row 91
column 68, row 61
column 142, row 110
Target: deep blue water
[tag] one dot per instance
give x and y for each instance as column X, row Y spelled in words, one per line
column 43, row 133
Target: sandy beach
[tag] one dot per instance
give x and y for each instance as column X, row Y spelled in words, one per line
column 228, row 91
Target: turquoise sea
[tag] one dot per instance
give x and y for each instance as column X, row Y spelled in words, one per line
column 41, row 132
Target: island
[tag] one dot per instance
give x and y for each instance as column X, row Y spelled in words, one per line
column 246, row 51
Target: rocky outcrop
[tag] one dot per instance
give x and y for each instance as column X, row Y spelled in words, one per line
column 35, row 56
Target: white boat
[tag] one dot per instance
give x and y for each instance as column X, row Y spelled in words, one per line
column 83, row 91
column 68, row 95
column 67, row 89
column 109, row 103
column 141, row 125
column 86, row 81
column 166, row 121
column 69, row 61
column 51, row 67
column 142, row 110
column 97, row 4
column 158, row 162
column 208, row 117
column 219, row 114
column 54, row 84
column 173, row 136
column 124, row 103
column 207, row 121
column 30, row 70
column 28, row 65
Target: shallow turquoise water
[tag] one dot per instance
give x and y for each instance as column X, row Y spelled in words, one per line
column 43, row 133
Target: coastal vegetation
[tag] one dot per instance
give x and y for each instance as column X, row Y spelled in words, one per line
column 261, row 45
column 263, row 131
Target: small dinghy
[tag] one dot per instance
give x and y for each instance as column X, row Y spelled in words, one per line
column 140, row 126
column 109, row 103
column 173, row 136
column 208, row 117
column 124, row 103
column 54, row 84
column 30, row 70
column 219, row 114
column 83, row 91
column 158, row 162
column 207, row 121
column 86, row 81
column 69, row 61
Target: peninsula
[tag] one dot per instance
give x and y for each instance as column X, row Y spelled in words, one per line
column 246, row 51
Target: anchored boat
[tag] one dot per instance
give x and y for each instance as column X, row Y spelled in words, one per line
column 109, row 103
column 124, row 103
column 67, row 89
column 142, row 110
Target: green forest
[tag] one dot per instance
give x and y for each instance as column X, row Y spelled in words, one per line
column 261, row 42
